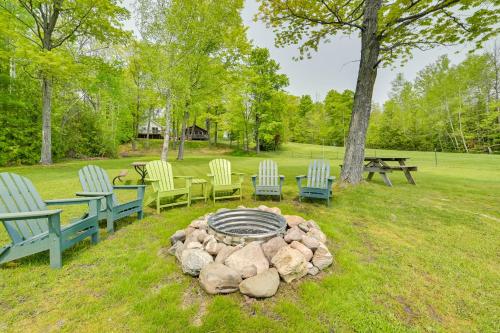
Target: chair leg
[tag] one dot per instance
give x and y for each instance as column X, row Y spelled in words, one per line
column 109, row 221
column 158, row 205
column 140, row 214
column 95, row 236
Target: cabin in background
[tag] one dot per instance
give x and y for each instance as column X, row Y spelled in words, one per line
column 155, row 130
column 196, row 133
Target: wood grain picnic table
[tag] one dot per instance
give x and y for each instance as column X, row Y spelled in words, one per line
column 379, row 165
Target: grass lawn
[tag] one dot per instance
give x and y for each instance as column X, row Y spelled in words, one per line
column 407, row 258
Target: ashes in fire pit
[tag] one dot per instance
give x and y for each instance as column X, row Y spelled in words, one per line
column 237, row 226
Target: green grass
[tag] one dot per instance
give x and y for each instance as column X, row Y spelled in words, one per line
column 407, row 258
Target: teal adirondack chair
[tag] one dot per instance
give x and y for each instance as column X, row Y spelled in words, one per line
column 268, row 181
column 33, row 228
column 319, row 182
column 162, row 180
column 220, row 176
column 95, row 182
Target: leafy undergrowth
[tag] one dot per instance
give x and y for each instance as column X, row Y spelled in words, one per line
column 407, row 258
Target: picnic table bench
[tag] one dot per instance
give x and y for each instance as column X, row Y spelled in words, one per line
column 380, row 165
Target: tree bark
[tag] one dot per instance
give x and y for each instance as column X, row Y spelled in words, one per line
column 257, row 139
column 46, row 153
column 216, row 130
column 352, row 171
column 166, row 137
column 180, row 153
column 149, row 126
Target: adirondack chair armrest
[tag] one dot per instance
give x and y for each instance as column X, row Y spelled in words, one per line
column 211, row 178
column 254, row 180
column 29, row 215
column 128, row 187
column 331, row 179
column 240, row 175
column 299, row 180
column 151, row 180
column 94, row 194
column 183, row 177
column 282, row 180
column 72, row 201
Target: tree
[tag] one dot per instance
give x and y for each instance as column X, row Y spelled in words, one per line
column 48, row 25
column 389, row 30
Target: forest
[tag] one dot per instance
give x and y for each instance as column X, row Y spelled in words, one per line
column 86, row 91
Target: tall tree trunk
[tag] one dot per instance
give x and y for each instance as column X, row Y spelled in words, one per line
column 216, row 132
column 352, row 171
column 180, row 153
column 150, row 112
column 460, row 124
column 46, row 153
column 207, row 125
column 257, row 139
column 166, row 137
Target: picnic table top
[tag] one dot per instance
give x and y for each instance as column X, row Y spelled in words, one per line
column 373, row 158
column 138, row 164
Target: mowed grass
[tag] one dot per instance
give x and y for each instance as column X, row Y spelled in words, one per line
column 407, row 258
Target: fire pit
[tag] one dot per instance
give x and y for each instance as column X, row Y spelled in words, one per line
column 239, row 226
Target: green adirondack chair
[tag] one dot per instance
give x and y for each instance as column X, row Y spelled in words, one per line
column 220, row 176
column 33, row 228
column 95, row 182
column 319, row 182
column 162, row 180
column 268, row 181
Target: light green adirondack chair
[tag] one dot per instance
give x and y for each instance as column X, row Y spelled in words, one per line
column 95, row 182
column 161, row 178
column 220, row 176
column 33, row 228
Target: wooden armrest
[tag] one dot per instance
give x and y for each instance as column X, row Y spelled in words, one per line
column 183, row 177
column 72, row 201
column 93, row 194
column 238, row 173
column 127, row 187
column 29, row 215
column 282, row 176
column 301, row 176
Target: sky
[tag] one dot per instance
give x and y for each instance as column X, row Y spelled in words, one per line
column 335, row 65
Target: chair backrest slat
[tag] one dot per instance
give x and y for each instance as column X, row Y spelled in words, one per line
column 161, row 171
column 95, row 179
column 17, row 194
column 221, row 169
column 268, row 173
column 318, row 173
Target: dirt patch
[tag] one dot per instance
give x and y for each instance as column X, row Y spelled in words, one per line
column 192, row 296
column 408, row 315
column 166, row 281
column 434, row 314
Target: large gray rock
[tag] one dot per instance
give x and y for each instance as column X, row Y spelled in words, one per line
column 192, row 236
column 212, row 247
column 293, row 234
column 261, row 285
column 274, row 210
column 202, row 236
column 308, row 254
column 248, row 271
column 250, row 254
column 173, row 249
column 219, row 279
column 312, row 224
column 290, row 263
column 178, row 251
column 272, row 246
column 318, row 234
column 293, row 220
column 193, row 260
column 193, row 245
column 178, row 236
column 310, row 242
column 199, row 224
column 322, row 257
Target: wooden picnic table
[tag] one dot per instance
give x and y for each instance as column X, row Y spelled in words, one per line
column 380, row 165
column 140, row 168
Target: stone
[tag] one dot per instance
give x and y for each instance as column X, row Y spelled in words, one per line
column 262, row 285
column 318, row 234
column 224, row 252
column 219, row 279
column 202, row 235
column 178, row 251
column 199, row 224
column 310, row 242
column 293, row 220
column 308, row 254
column 293, row 234
column 309, row 265
column 263, row 207
column 322, row 257
column 212, row 247
column 304, row 227
column 241, row 207
column 174, row 247
column 313, row 271
column 193, row 260
column 194, row 245
column 250, row 254
column 275, row 210
column 178, row 236
column 248, row 271
column 209, row 238
column 192, row 236
column 312, row 224
column 290, row 263
column 272, row 246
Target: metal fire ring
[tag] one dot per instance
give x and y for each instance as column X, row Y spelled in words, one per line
column 242, row 225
